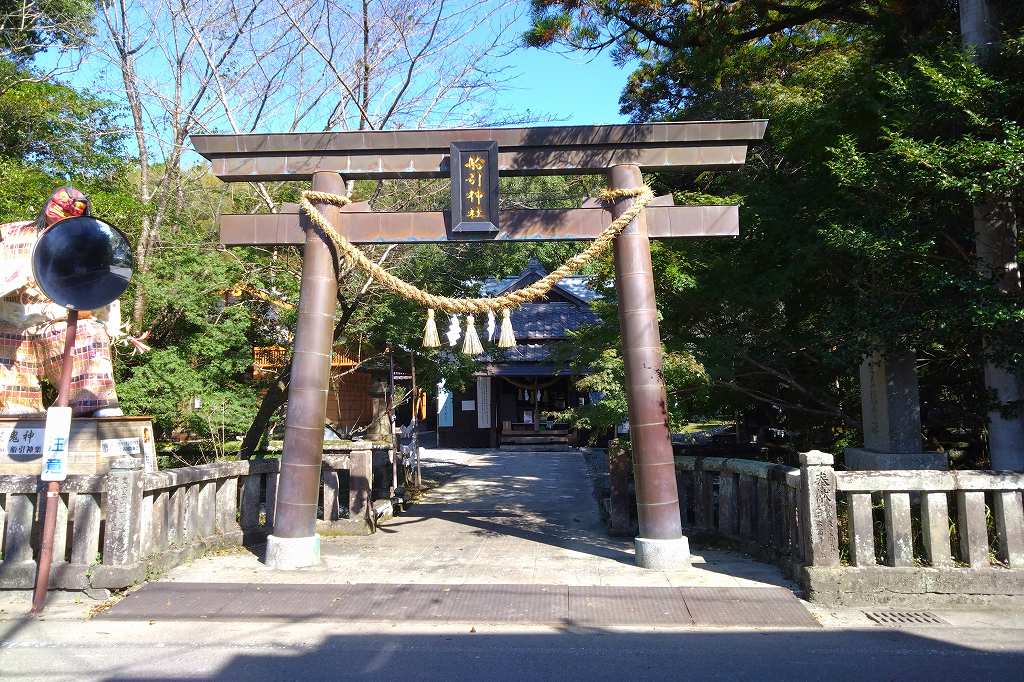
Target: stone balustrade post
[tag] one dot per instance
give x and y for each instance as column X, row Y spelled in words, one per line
column 360, row 487
column 122, row 507
column 818, row 520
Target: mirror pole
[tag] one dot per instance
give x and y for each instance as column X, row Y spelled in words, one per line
column 68, row 361
column 53, row 487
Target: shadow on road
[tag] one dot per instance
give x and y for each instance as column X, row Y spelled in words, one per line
column 556, row 532
column 595, row 654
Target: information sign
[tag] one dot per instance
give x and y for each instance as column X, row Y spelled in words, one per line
column 55, row 444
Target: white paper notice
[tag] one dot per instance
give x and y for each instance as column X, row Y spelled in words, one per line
column 121, row 446
column 55, row 444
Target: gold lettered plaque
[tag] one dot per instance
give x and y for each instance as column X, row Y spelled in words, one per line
column 474, row 172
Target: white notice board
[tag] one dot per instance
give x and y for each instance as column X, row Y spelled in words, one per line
column 483, row 402
column 444, row 407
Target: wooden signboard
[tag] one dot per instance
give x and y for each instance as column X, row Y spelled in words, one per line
column 93, row 444
column 483, row 402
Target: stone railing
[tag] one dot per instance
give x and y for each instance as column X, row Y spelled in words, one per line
column 860, row 537
column 894, row 535
column 113, row 529
column 752, row 505
column 79, row 544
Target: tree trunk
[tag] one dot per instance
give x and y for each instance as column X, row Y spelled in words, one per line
column 275, row 397
column 995, row 234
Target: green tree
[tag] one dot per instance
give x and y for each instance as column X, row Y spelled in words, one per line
column 28, row 27
column 855, row 212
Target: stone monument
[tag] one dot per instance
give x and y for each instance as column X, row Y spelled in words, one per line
column 380, row 422
column 892, row 416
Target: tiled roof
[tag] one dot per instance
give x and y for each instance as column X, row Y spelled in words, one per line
column 523, row 352
column 549, row 320
column 578, row 286
column 538, row 321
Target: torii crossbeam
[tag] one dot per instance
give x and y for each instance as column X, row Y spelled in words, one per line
column 621, row 152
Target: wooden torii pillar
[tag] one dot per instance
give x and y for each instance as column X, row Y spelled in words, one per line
column 621, row 152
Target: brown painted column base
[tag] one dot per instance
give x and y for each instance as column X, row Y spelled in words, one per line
column 661, row 544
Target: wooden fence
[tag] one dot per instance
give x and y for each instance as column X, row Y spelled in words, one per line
column 113, row 529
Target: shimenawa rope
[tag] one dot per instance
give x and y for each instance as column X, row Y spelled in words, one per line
column 350, row 254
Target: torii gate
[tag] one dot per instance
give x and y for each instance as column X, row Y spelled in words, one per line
column 619, row 151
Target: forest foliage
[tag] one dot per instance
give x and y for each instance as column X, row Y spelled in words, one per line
column 856, row 212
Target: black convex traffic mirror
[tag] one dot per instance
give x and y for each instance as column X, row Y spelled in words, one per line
column 82, row 263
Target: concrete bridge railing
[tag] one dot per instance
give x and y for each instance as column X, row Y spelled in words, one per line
column 114, row 529
column 895, row 537
column 752, row 504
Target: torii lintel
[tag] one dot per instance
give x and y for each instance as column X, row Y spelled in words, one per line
column 362, row 226
column 546, row 150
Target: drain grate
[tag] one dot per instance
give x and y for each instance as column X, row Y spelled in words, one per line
column 904, row 618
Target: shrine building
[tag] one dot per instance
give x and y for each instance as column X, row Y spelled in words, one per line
column 517, row 389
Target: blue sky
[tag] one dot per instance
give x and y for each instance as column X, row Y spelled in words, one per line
column 577, row 89
column 552, row 87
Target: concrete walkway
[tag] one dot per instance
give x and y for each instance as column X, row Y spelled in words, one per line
column 517, row 518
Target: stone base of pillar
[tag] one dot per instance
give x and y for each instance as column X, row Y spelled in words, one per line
column 862, row 459
column 287, row 554
column 662, row 555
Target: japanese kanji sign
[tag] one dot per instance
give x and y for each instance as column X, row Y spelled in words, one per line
column 21, row 444
column 474, row 173
column 55, row 443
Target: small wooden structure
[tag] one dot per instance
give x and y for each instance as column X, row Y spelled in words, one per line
column 349, row 405
column 94, row 443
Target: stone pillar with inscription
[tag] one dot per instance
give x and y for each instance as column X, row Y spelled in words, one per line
column 891, row 415
column 818, row 509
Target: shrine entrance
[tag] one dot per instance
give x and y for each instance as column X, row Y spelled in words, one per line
column 331, row 226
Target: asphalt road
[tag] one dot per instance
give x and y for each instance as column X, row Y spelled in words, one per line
column 311, row 651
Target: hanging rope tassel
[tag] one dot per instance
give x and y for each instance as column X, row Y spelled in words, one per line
column 471, row 345
column 430, row 337
column 508, row 335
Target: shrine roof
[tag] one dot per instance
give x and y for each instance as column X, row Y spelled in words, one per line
column 526, row 359
column 550, row 320
column 574, row 287
column 578, row 286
